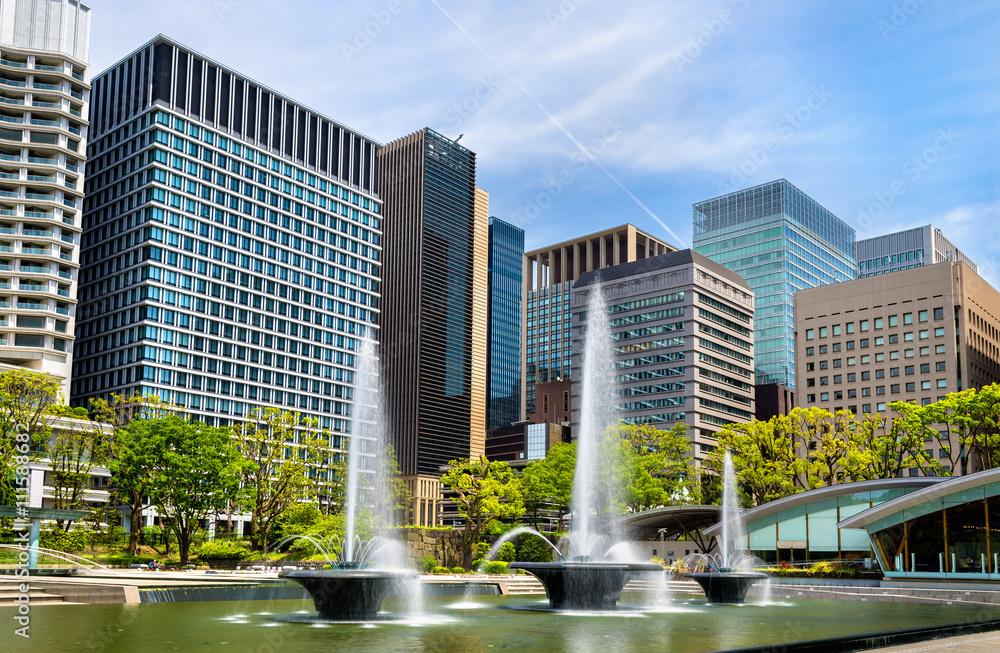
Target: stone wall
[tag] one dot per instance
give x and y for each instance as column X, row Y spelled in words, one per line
column 445, row 546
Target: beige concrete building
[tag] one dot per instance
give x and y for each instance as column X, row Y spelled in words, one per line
column 682, row 326
column 913, row 335
column 549, row 273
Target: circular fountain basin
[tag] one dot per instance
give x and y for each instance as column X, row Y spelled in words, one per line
column 350, row 594
column 585, row 585
column 727, row 587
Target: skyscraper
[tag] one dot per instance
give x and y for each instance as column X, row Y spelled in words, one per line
column 682, row 330
column 505, row 286
column 903, row 250
column 549, row 274
column 781, row 241
column 434, row 327
column 45, row 97
column 232, row 244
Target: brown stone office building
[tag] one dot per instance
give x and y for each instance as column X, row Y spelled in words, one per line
column 913, row 335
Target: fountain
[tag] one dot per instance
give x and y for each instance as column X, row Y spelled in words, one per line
column 729, row 576
column 585, row 581
column 353, row 589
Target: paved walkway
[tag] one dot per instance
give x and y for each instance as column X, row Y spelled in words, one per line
column 980, row 643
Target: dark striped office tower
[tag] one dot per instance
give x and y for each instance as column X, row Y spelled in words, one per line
column 434, row 326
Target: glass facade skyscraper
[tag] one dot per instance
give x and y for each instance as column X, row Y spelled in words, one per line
column 232, row 244
column 506, row 263
column 781, row 241
column 905, row 250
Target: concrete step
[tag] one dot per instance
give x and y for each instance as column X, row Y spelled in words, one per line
column 36, row 596
column 524, row 585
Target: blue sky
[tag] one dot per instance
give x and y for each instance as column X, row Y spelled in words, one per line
column 588, row 114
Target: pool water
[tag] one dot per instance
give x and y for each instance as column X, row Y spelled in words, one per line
column 473, row 624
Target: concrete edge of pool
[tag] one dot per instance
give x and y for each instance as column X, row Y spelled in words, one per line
column 851, row 643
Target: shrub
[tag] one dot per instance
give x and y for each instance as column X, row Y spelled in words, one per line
column 477, row 565
column 228, row 550
column 507, row 552
column 457, row 570
column 482, row 548
column 534, row 549
column 427, row 564
column 67, row 541
column 442, row 570
column 496, row 567
column 821, row 568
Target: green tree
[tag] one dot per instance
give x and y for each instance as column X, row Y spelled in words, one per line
column 547, row 484
column 661, row 468
column 130, row 461
column 25, row 422
column 279, row 450
column 485, row 491
column 970, row 419
column 73, row 450
column 196, row 469
column 886, row 446
column 764, row 457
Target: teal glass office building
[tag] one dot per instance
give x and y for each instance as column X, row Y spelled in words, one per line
column 506, row 270
column 232, row 244
column 781, row 241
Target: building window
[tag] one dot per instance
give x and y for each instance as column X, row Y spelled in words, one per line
column 879, row 374
column 939, row 349
column 938, row 332
column 823, row 365
column 925, row 385
column 852, row 393
column 908, row 336
column 911, row 387
column 942, row 383
column 824, row 396
column 938, row 313
column 850, row 360
column 864, row 343
column 822, row 349
column 545, row 404
column 811, row 399
column 909, row 370
column 894, row 388
column 926, row 351
column 810, row 334
column 893, row 320
column 836, row 330
column 850, row 327
column 810, row 351
column 893, row 339
column 923, row 316
column 908, row 353
column 836, row 346
column 866, row 392
column 925, row 368
column 941, row 366
column 822, row 332
column 864, row 325
column 879, row 340
column 866, row 408
column 907, row 318
column 852, row 377
column 925, row 334
column 565, row 402
column 866, row 375
column 878, row 323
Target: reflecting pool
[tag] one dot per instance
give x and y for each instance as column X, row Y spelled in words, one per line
column 480, row 624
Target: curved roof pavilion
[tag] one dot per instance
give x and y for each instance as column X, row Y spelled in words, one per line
column 947, row 530
column 803, row 527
